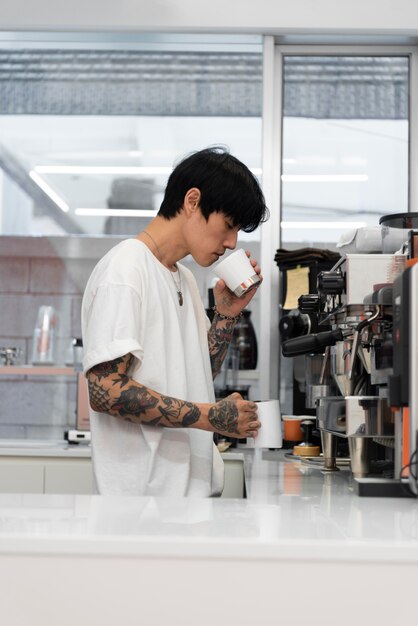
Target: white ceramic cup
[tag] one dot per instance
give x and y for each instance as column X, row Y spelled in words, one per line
column 270, row 433
column 237, row 272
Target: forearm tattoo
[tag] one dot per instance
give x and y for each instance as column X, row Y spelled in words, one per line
column 99, row 397
column 224, row 417
column 113, row 391
column 219, row 338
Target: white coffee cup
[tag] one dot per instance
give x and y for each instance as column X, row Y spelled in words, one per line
column 270, row 433
column 237, row 272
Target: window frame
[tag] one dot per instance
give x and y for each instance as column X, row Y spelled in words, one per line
column 273, row 58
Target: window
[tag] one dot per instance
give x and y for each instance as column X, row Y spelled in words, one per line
column 90, row 131
column 345, row 143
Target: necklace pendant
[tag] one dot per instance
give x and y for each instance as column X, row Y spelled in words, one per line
column 180, row 296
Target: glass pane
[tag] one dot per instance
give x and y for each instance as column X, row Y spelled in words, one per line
column 89, row 136
column 345, row 144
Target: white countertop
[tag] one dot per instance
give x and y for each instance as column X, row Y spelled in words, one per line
column 43, row 448
column 302, row 547
column 291, row 511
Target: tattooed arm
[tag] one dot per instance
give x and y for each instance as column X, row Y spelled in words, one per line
column 112, row 391
column 219, row 338
column 227, row 304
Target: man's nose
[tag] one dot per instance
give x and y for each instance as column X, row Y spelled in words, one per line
column 231, row 241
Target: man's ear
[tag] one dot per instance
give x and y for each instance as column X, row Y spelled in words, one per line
column 192, row 200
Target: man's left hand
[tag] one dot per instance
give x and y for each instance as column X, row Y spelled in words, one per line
column 227, row 303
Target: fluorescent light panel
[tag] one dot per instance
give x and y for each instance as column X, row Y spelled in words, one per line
column 111, row 169
column 97, row 154
column 91, row 212
column 100, row 169
column 49, row 191
column 321, row 225
column 325, row 178
column 106, row 212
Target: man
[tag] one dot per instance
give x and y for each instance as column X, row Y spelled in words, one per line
column 150, row 353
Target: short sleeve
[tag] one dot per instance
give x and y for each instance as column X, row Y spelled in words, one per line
column 112, row 325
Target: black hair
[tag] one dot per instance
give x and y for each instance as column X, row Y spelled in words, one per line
column 226, row 186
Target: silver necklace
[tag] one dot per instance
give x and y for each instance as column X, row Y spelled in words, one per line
column 177, row 286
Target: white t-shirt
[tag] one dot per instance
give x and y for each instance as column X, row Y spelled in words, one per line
column 130, row 305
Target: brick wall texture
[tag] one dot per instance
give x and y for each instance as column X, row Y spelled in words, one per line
column 35, row 406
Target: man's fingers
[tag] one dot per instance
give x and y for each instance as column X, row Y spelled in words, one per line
column 234, row 396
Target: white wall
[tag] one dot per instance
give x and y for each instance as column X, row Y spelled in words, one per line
column 370, row 17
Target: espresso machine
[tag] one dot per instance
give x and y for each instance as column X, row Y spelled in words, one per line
column 361, row 375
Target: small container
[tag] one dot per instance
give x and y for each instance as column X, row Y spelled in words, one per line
column 78, row 353
column 11, row 356
column 74, row 354
column 43, row 349
column 292, row 430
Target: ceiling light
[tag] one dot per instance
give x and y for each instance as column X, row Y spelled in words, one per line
column 96, row 154
column 289, row 161
column 311, row 160
column 100, row 169
column 354, row 161
column 321, row 225
column 49, row 191
column 111, row 169
column 325, row 178
column 115, row 212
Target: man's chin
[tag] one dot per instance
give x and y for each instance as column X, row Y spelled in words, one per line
column 205, row 261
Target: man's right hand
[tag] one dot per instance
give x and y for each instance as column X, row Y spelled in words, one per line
column 234, row 417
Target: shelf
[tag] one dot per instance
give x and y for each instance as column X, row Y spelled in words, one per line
column 37, row 370
column 58, row 246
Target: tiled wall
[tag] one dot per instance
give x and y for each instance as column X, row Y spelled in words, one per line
column 37, row 271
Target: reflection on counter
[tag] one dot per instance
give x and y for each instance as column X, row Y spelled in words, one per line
column 287, row 502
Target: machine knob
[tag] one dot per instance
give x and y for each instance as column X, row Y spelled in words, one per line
column 294, row 324
column 309, row 303
column 331, row 283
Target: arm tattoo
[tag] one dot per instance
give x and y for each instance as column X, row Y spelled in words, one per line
column 99, row 398
column 172, row 409
column 134, row 401
column 113, row 391
column 224, row 417
column 110, row 367
column 219, row 338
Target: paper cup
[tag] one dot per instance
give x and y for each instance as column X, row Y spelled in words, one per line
column 270, row 433
column 292, row 429
column 237, row 272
